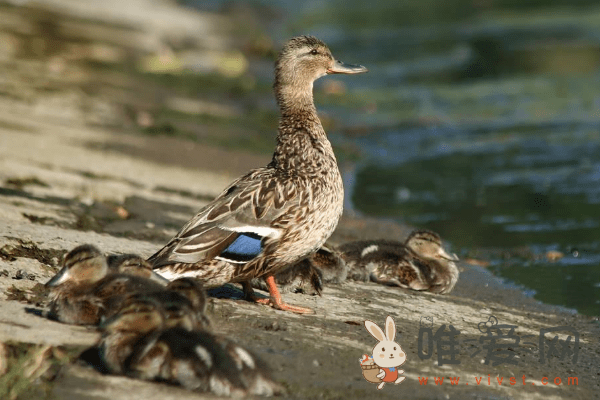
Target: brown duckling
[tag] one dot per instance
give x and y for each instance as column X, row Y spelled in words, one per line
column 85, row 290
column 420, row 263
column 83, row 265
column 179, row 311
column 194, row 291
column 325, row 266
column 137, row 342
column 132, row 264
column 70, row 298
column 138, row 317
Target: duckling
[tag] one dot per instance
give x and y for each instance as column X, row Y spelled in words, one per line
column 70, row 299
column 276, row 215
column 194, row 291
column 85, row 290
column 138, row 341
column 137, row 317
column 83, row 265
column 309, row 275
column 200, row 361
column 132, row 264
column 420, row 263
column 114, row 288
column 331, row 264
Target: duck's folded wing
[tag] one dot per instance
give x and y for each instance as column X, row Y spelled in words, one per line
column 233, row 227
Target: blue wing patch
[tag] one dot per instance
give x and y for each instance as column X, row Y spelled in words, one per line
column 244, row 248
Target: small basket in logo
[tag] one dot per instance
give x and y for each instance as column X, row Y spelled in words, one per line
column 370, row 373
column 369, row 369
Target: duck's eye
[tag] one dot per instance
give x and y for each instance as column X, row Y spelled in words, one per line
column 314, row 52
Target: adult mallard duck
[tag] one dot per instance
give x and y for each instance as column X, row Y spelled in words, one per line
column 273, row 216
column 420, row 263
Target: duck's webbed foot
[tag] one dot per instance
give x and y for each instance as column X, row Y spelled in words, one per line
column 275, row 301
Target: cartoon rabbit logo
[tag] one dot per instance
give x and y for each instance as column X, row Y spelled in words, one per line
column 382, row 366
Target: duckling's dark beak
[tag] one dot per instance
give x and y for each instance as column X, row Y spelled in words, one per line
column 341, row 68
column 59, row 278
column 159, row 278
column 443, row 254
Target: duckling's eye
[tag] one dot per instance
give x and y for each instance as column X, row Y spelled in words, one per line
column 314, row 52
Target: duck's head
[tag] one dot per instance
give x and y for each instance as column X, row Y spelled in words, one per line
column 428, row 245
column 82, row 265
column 192, row 289
column 138, row 314
column 179, row 314
column 132, row 264
column 305, row 59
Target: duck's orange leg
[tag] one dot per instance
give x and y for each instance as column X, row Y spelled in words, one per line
column 275, row 301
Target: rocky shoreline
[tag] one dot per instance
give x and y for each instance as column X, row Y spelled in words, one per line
column 88, row 154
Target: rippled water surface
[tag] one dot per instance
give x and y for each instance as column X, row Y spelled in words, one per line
column 478, row 120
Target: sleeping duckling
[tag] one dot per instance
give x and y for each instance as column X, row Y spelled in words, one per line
column 137, row 318
column 86, row 290
column 70, row 299
column 114, row 288
column 201, row 361
column 309, row 275
column 420, row 263
column 195, row 293
column 179, row 311
column 132, row 264
column 138, row 342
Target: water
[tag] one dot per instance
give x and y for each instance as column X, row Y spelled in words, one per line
column 479, row 121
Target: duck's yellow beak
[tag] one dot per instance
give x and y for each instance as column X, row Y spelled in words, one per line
column 339, row 67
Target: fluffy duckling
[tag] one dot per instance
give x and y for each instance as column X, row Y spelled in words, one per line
column 273, row 216
column 309, row 275
column 138, row 342
column 132, row 264
column 85, row 290
column 114, row 288
column 194, row 291
column 83, row 265
column 201, row 361
column 138, row 317
column 70, row 298
column 179, row 311
column 420, row 263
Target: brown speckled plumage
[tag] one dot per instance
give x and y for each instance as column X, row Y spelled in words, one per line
column 87, row 289
column 308, row 276
column 143, row 342
column 420, row 263
column 291, row 206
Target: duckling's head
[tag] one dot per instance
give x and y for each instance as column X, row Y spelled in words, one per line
column 179, row 314
column 84, row 264
column 303, row 60
column 138, row 315
column 428, row 244
column 132, row 264
column 192, row 289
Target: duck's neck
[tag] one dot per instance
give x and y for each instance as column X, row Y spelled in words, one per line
column 301, row 137
column 295, row 100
